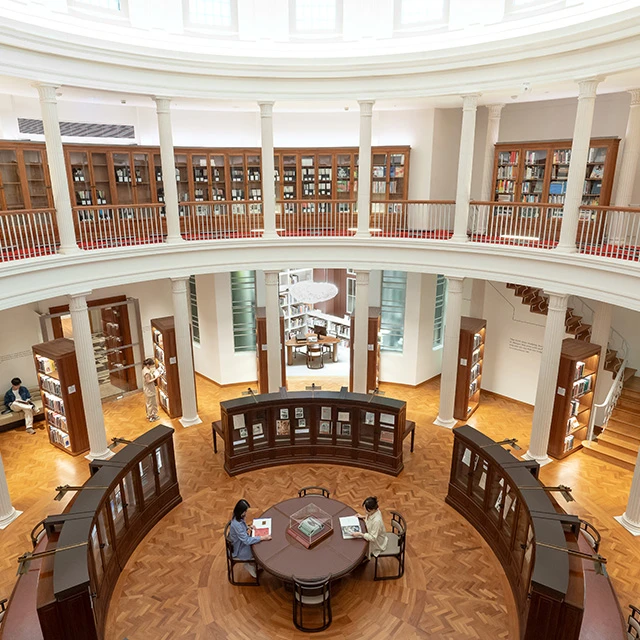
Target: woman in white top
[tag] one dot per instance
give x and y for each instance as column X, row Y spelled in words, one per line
column 376, row 531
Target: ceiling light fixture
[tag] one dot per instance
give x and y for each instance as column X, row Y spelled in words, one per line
column 311, row 292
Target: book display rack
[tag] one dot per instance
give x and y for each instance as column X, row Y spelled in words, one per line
column 164, row 353
column 573, row 403
column 470, row 359
column 59, row 384
column 307, row 426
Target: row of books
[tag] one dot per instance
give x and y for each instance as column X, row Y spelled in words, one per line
column 579, row 370
column 574, row 407
column 580, row 387
column 57, row 420
column 535, row 157
column 568, row 443
column 53, row 402
column 157, row 338
column 158, row 353
column 508, row 171
column 508, row 157
column 164, row 400
column 505, row 186
column 473, row 387
column 477, row 340
column 51, row 385
column 562, row 156
column 45, row 365
column 535, row 186
column 475, row 371
column 572, row 424
column 535, row 172
column 475, row 356
column 59, row 437
column 379, row 187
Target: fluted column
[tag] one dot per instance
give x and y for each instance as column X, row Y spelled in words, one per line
column 578, row 164
column 630, row 519
column 465, row 166
column 493, row 132
column 274, row 346
column 168, row 162
column 268, row 170
column 364, row 167
column 7, row 512
column 184, row 351
column 361, row 337
column 89, row 384
column 450, row 353
column 554, row 333
column 57, row 167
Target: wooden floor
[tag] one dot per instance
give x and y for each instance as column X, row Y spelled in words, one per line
column 175, row 585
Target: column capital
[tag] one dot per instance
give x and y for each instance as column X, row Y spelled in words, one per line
column 588, row 86
column 470, row 101
column 362, row 277
column 454, row 284
column 366, row 107
column 271, row 278
column 178, row 285
column 635, row 97
column 495, row 110
column 163, row 104
column 78, row 301
column 557, row 301
column 266, row 108
column 47, row 91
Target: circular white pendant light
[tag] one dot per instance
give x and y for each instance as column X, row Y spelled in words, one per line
column 313, row 292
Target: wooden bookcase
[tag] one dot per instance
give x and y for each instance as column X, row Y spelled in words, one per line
column 373, row 349
column 59, row 383
column 262, row 353
column 573, row 403
column 24, row 177
column 163, row 334
column 537, row 171
column 470, row 357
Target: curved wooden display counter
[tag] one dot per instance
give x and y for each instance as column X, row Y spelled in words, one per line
column 314, row 426
column 65, row 596
column 559, row 596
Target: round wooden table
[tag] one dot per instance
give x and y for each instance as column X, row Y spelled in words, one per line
column 284, row 557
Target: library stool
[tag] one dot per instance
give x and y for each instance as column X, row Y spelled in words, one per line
column 313, row 491
column 308, row 594
column 395, row 546
column 315, row 353
column 232, row 562
column 633, row 623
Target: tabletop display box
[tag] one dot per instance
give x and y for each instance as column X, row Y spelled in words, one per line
column 470, row 359
column 310, row 525
column 164, row 353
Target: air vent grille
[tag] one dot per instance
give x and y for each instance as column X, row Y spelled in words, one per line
column 80, row 129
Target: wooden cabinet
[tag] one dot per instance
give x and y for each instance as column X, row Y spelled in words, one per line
column 262, row 354
column 373, row 349
column 59, row 384
column 470, row 358
column 24, row 178
column 164, row 353
column 538, row 171
column 574, row 396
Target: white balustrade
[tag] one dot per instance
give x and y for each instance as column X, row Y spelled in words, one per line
column 611, row 232
column 326, row 218
column 221, row 220
column 28, row 234
column 412, row 219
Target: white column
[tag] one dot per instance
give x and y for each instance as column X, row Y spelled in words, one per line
column 168, row 162
column 268, row 170
column 89, row 385
column 630, row 519
column 600, row 331
column 364, row 168
column 493, row 132
column 57, row 167
column 465, row 166
column 450, row 353
column 630, row 154
column 7, row 513
column 578, row 164
column 274, row 346
column 361, row 337
column 554, row 333
column 184, row 351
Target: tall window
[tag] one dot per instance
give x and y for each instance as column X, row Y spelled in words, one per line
column 316, row 16
column 243, row 306
column 108, row 5
column 394, row 294
column 193, row 299
column 219, row 14
column 415, row 14
column 438, row 321
column 528, row 6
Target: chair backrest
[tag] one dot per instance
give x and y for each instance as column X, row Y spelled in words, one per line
column 633, row 622
column 399, row 527
column 319, row 330
column 227, row 541
column 314, row 348
column 312, row 591
column 313, row 491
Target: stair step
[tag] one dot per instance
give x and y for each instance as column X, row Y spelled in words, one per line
column 609, row 440
column 630, row 393
column 609, row 455
column 623, row 428
column 510, row 285
column 623, row 415
column 629, row 438
column 629, row 404
column 629, row 373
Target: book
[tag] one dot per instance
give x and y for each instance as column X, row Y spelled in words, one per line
column 262, row 527
column 350, row 525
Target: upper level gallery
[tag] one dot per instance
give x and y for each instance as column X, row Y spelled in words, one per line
column 356, row 148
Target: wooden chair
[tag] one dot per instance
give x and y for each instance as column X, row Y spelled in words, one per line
column 313, row 491
column 633, row 623
column 231, row 562
column 591, row 534
column 3, row 608
column 395, row 546
column 314, row 353
column 308, row 594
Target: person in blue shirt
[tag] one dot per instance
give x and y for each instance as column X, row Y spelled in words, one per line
column 17, row 399
column 240, row 535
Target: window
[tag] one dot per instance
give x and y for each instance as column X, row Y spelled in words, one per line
column 243, row 307
column 420, row 14
column 518, row 8
column 211, row 14
column 394, row 294
column 351, row 295
column 193, row 299
column 323, row 17
column 438, row 321
column 114, row 6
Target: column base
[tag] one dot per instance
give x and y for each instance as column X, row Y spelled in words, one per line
column 633, row 529
column 71, row 250
column 269, row 235
column 363, row 234
column 173, row 240
column 566, row 249
column 5, row 522
column 455, row 238
column 448, row 424
column 189, row 422
column 105, row 455
column 540, row 460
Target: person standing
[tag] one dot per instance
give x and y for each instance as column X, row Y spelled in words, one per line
column 150, row 377
column 18, row 399
column 376, row 531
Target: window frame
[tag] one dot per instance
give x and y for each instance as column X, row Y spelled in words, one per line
column 239, row 330
column 193, row 306
column 419, row 27
column 207, row 29
column 439, row 312
column 321, row 34
column 394, row 282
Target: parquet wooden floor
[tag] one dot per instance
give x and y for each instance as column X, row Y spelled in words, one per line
column 175, row 585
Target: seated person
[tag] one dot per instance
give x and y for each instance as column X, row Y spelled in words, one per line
column 17, row 399
column 376, row 531
column 240, row 535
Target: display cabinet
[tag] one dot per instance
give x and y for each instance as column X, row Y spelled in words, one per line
column 24, row 178
column 373, row 349
column 59, row 383
column 118, row 348
column 470, row 359
column 333, row 427
column 573, row 402
column 165, row 355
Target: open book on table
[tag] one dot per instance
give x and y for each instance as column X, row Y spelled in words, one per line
column 262, row 527
column 349, row 526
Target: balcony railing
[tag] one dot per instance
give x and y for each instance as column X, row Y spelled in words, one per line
column 327, row 218
column 221, row 220
column 432, row 219
column 612, row 232
column 27, row 234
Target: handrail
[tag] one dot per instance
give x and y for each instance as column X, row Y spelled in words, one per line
column 609, row 403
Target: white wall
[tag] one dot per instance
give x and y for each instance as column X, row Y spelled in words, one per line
column 627, row 323
column 446, row 148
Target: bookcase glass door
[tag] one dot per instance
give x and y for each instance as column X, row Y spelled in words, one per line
column 594, row 175
column 116, row 504
column 100, row 178
column 507, row 175
column 462, row 467
column 164, row 466
column 218, row 177
column 479, row 476
column 147, row 479
column 80, row 176
column 239, row 434
column 131, row 501
column 344, row 176
column 254, row 177
column 367, row 428
column 10, row 179
column 200, row 177
column 142, row 178
column 157, row 171
column 123, row 177
column 325, row 176
column 387, row 433
column 182, row 177
column 259, row 429
column 396, row 176
column 289, row 177
column 104, row 532
column 379, row 177
column 308, row 175
column 236, row 170
column 277, row 176
column 327, row 426
column 36, row 185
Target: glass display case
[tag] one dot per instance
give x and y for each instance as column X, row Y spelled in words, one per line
column 310, row 525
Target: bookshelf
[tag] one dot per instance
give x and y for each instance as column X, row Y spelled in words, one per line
column 470, row 359
column 24, row 178
column 59, row 383
column 574, row 396
column 373, row 349
column 294, row 312
column 163, row 334
column 336, row 327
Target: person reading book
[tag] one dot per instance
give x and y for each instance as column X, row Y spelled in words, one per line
column 376, row 533
column 240, row 535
